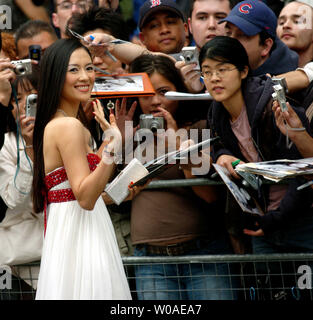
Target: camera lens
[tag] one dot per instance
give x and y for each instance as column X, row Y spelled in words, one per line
column 154, row 126
column 20, row 70
column 188, row 57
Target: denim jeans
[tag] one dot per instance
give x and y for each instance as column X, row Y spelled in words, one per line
column 192, row 281
column 296, row 238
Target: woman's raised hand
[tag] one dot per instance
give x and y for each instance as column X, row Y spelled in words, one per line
column 99, row 115
column 7, row 76
column 122, row 115
column 111, row 132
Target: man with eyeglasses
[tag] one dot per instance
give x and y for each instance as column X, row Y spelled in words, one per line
column 64, row 10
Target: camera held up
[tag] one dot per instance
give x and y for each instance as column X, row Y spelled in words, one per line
column 148, row 121
column 22, row 67
column 191, row 55
column 31, row 105
column 279, row 95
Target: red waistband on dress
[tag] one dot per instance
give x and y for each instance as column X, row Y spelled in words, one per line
column 63, row 195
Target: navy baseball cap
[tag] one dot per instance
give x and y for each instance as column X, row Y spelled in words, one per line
column 151, row 6
column 252, row 17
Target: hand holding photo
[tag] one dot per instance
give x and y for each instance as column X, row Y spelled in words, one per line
column 245, row 200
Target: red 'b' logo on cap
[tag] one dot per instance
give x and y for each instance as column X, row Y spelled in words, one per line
column 155, row 3
column 244, row 8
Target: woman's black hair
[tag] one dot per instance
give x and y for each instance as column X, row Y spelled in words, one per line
column 53, row 69
column 166, row 67
column 225, row 49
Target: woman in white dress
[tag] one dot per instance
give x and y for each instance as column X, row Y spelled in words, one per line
column 80, row 258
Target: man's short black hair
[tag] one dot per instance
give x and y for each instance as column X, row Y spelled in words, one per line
column 265, row 35
column 31, row 28
column 232, row 3
column 99, row 18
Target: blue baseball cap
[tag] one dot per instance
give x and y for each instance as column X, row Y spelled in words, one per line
column 151, row 6
column 252, row 17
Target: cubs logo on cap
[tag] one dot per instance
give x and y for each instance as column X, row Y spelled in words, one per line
column 151, row 6
column 155, row 3
column 244, row 8
column 251, row 17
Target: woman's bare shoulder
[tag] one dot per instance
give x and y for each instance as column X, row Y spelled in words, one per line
column 64, row 125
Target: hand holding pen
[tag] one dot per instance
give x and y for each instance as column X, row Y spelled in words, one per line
column 95, row 45
column 228, row 162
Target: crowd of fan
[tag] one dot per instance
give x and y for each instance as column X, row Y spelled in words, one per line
column 277, row 40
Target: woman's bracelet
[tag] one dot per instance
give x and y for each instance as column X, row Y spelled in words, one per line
column 296, row 129
column 29, row 146
column 111, row 154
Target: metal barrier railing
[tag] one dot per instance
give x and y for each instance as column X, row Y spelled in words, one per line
column 156, row 184
column 253, row 277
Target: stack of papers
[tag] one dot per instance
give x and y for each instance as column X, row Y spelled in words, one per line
column 278, row 170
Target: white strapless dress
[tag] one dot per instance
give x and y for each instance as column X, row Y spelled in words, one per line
column 80, row 256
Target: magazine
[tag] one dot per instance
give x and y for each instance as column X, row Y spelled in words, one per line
column 277, row 170
column 140, row 174
column 159, row 165
column 241, row 194
column 123, row 85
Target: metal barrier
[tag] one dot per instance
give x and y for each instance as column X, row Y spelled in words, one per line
column 253, row 277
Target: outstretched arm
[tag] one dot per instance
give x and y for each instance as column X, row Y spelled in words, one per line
column 125, row 51
column 298, row 79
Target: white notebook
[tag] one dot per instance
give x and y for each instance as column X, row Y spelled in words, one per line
column 117, row 190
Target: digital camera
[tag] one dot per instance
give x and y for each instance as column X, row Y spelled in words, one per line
column 279, row 95
column 191, row 55
column 148, row 121
column 31, row 105
column 22, row 67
